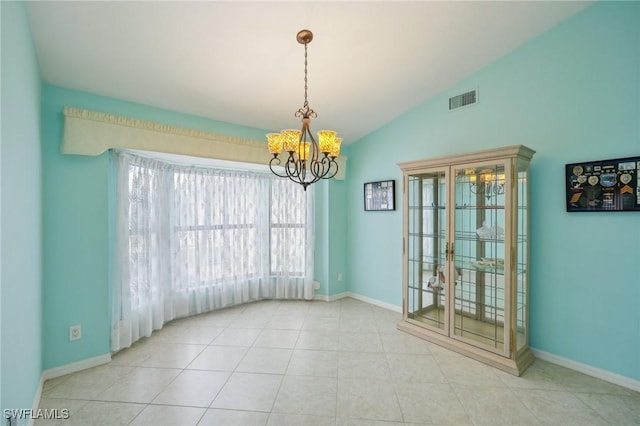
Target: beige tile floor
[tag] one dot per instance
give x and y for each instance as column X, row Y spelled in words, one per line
column 319, row 363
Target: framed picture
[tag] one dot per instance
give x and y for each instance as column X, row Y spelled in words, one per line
column 600, row 186
column 380, row 196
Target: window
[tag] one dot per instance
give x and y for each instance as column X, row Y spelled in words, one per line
column 288, row 229
column 216, row 227
column 191, row 239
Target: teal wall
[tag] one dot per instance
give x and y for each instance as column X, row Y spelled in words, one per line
column 321, row 254
column 331, row 238
column 337, row 236
column 75, row 242
column 572, row 94
column 21, row 230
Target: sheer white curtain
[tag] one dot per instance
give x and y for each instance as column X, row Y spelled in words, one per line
column 291, row 265
column 193, row 239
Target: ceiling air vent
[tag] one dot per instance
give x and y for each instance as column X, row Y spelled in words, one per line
column 469, row 98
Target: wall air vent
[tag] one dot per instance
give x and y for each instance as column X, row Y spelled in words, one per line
column 465, row 99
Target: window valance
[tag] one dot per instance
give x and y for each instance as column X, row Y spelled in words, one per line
column 92, row 133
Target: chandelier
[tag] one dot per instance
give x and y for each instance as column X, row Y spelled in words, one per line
column 308, row 161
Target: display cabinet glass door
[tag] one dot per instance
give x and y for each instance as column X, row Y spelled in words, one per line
column 427, row 245
column 478, row 307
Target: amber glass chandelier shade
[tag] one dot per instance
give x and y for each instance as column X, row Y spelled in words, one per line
column 303, row 151
column 326, row 140
column 291, row 139
column 335, row 148
column 274, row 140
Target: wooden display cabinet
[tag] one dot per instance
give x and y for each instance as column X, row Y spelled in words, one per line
column 466, row 254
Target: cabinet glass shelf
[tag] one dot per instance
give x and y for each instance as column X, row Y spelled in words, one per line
column 465, row 207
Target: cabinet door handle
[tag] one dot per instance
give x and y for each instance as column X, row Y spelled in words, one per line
column 448, row 251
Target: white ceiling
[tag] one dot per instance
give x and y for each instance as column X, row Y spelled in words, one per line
column 240, row 62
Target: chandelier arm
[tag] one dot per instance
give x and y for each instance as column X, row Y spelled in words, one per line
column 314, row 168
column 275, row 161
column 328, row 175
column 292, row 168
column 301, row 169
column 313, row 145
column 318, row 169
column 335, row 172
column 327, row 171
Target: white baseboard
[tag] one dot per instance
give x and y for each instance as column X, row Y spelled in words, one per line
column 375, row 302
column 598, row 373
column 36, row 401
column 361, row 298
column 52, row 373
column 332, row 298
column 63, row 370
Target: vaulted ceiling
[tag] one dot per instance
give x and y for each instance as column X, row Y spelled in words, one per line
column 240, row 62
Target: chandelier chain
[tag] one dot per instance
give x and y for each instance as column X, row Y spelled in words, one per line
column 306, row 103
column 305, row 111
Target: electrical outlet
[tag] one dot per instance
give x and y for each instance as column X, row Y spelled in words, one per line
column 339, row 276
column 75, row 332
